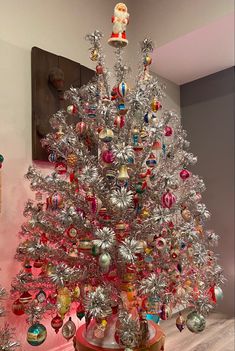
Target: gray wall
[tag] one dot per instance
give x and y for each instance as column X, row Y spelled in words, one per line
column 207, row 107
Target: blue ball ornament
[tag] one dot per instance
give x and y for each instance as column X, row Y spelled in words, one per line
column 36, row 334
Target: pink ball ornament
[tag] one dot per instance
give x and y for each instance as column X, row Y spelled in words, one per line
column 107, row 156
column 168, row 131
column 168, row 199
column 184, row 174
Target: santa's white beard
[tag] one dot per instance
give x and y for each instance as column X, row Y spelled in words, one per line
column 119, row 27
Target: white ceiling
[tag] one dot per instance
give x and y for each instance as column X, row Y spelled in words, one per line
column 197, row 54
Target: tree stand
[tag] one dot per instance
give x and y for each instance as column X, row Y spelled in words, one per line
column 87, row 343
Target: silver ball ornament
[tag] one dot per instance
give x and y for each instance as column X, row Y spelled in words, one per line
column 195, row 322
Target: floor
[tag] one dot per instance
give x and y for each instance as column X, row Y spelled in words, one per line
column 218, row 336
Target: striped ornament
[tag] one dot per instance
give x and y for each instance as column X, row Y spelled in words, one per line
column 122, row 89
column 168, row 199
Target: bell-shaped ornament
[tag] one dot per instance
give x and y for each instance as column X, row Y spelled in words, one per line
column 123, row 174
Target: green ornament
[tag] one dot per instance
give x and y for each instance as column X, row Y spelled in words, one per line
column 95, row 250
column 1, row 159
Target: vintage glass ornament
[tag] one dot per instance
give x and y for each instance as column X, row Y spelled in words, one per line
column 168, row 199
column 36, row 334
column 122, row 89
column 184, row 174
column 147, row 60
column 156, row 105
column 151, row 161
column 63, row 301
column 91, row 111
column 180, row 322
column 186, row 214
column 94, row 55
column 123, row 174
column 99, row 69
column 81, row 128
column 25, row 298
column 106, row 135
column 119, row 121
column 195, row 322
column 41, row 296
column 148, row 117
column 72, row 109
column 55, row 201
column 80, row 311
column 72, row 160
column 107, row 156
column 165, row 312
column 52, row 157
column 168, row 131
column 18, row 307
column 160, row 243
column 59, row 134
column 57, row 323
column 72, row 232
column 104, row 260
column 69, row 329
column 122, row 109
column 218, row 293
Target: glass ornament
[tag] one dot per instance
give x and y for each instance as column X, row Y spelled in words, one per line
column 72, row 110
column 168, row 199
column 36, row 334
column 195, row 322
column 18, row 307
column 25, row 298
column 69, row 329
column 122, row 89
column 106, row 135
column 57, row 323
column 180, row 322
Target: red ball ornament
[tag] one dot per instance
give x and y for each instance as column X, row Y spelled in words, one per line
column 25, row 298
column 57, row 323
column 18, row 308
column 184, row 174
column 168, row 131
column 168, row 199
column 107, row 156
column 99, row 69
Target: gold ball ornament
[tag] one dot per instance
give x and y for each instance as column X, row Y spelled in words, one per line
column 72, row 160
column 147, row 60
column 94, row 55
column 144, row 214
